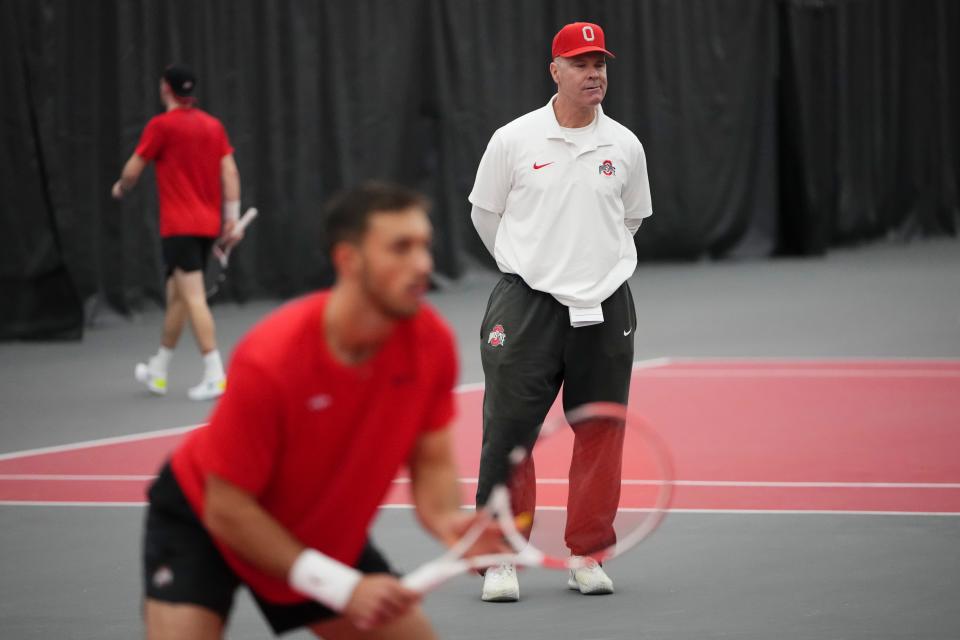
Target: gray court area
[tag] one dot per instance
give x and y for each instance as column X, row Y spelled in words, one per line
column 72, row 572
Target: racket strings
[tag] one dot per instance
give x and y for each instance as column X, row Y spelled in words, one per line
column 593, row 495
column 596, row 510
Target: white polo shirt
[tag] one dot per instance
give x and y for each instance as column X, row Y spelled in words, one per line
column 569, row 203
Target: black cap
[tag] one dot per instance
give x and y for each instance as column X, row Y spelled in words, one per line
column 181, row 79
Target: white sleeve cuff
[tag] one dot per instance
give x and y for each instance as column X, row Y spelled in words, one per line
column 486, row 223
column 231, row 210
column 323, row 579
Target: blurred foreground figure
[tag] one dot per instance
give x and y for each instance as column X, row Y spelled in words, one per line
column 329, row 396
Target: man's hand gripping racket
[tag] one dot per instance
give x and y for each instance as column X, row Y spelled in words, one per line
column 222, row 249
column 582, row 493
column 216, row 273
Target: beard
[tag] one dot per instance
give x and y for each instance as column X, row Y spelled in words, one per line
column 382, row 302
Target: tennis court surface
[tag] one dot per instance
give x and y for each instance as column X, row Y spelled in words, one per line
column 817, row 497
column 764, row 450
column 874, row 436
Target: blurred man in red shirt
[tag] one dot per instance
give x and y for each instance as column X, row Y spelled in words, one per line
column 329, row 396
column 196, row 177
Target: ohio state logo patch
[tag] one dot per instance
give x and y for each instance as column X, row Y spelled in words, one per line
column 163, row 577
column 497, row 336
column 607, row 168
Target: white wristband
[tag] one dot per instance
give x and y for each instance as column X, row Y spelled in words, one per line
column 324, row 579
column 231, row 210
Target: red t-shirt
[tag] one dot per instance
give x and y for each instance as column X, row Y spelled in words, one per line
column 318, row 443
column 187, row 145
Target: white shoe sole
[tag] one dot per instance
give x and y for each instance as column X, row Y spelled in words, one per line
column 598, row 590
column 142, row 374
column 502, row 592
column 204, row 392
column 501, row 596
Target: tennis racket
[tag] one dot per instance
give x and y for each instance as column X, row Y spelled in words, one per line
column 217, row 271
column 594, row 484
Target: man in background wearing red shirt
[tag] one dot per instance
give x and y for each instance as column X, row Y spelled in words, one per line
column 196, row 173
column 329, row 396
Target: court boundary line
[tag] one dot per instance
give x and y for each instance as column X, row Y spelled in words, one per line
column 822, row 372
column 647, row 363
column 681, row 511
column 99, row 442
column 73, row 477
column 650, row 363
column 681, row 360
column 466, row 387
column 76, row 477
column 742, row 483
column 763, row 512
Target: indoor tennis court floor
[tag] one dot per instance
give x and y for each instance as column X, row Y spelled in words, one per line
column 812, row 407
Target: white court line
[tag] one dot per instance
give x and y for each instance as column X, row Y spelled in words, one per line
column 747, row 483
column 763, row 512
column 133, row 437
column 74, row 477
column 830, row 360
column 63, row 503
column 832, row 367
column 740, row 372
column 760, row 512
column 804, row 512
column 469, row 387
column 146, row 435
column 548, row 481
column 653, row 363
column 788, row 485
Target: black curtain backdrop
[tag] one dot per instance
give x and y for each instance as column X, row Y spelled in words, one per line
column 869, row 121
column 771, row 127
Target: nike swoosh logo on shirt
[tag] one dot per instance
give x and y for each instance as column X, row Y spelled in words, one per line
column 319, row 402
column 541, row 166
column 627, row 332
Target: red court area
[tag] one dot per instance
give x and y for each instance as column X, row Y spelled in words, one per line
column 746, row 435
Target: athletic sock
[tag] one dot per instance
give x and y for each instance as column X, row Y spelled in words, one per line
column 161, row 361
column 212, row 366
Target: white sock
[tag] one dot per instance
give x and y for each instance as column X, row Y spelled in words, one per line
column 212, row 366
column 161, row 361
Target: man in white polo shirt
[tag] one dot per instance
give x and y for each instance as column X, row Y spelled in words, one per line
column 558, row 196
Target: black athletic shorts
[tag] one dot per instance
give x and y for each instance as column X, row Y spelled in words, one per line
column 181, row 563
column 187, row 253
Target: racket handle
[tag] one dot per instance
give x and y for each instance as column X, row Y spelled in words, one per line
column 247, row 217
column 431, row 575
column 222, row 256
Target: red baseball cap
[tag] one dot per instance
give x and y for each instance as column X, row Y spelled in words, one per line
column 577, row 38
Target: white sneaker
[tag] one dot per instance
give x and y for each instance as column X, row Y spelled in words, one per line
column 500, row 584
column 208, row 389
column 590, row 579
column 156, row 382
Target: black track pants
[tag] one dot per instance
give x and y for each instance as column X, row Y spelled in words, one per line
column 529, row 349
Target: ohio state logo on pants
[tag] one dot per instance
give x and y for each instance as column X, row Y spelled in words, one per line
column 497, row 336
